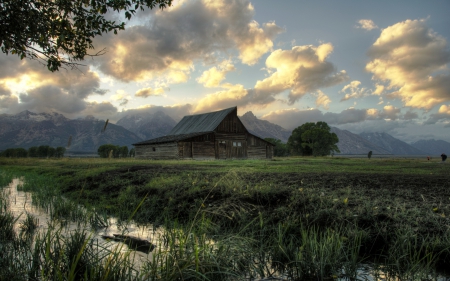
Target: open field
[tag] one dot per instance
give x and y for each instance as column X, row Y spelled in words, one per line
column 390, row 212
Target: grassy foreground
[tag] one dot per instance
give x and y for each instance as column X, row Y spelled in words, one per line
column 303, row 218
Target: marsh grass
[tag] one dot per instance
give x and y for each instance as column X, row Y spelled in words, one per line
column 296, row 218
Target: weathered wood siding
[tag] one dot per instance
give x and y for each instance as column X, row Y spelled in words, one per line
column 231, row 124
column 203, row 150
column 162, row 151
column 230, row 146
column 258, row 149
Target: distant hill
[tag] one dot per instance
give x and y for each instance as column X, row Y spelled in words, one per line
column 391, row 144
column 148, row 125
column 263, row 128
column 27, row 129
column 433, row 147
column 350, row 143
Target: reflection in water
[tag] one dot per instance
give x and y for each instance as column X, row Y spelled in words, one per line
column 21, row 205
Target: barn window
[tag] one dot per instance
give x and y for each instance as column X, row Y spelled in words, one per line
column 234, row 143
column 239, row 143
column 154, row 148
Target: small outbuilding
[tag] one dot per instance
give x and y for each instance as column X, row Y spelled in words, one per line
column 214, row 135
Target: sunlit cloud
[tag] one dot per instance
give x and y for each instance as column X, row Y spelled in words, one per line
column 413, row 60
column 199, row 30
column 366, row 24
column 302, row 70
column 215, row 75
column 322, row 100
column 353, row 91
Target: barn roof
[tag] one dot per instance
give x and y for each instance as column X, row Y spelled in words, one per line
column 201, row 123
column 169, row 138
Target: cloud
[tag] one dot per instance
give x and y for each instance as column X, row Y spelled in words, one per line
column 322, row 100
column 233, row 95
column 443, row 114
column 302, row 70
column 353, row 91
column 215, row 75
column 412, row 59
column 167, row 44
column 29, row 85
column 366, row 24
column 148, row 92
column 390, row 112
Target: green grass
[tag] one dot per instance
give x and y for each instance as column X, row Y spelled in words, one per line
column 306, row 218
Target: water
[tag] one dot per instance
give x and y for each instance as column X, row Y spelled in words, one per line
column 21, row 204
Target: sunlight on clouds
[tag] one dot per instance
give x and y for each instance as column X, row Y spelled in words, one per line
column 444, row 109
column 215, row 75
column 366, row 24
column 379, row 89
column 259, row 42
column 407, row 55
column 322, row 100
column 301, row 70
column 353, row 90
column 372, row 112
column 234, row 95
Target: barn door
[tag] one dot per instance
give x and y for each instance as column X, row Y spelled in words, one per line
column 222, row 150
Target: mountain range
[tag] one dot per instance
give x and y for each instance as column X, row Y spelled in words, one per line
column 27, row 129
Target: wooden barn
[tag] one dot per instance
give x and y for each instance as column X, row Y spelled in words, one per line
column 214, row 135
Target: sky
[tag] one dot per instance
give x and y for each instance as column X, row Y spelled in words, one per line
column 362, row 66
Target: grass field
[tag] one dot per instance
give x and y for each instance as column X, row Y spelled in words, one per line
column 302, row 218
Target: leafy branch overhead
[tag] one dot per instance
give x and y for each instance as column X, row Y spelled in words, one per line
column 60, row 32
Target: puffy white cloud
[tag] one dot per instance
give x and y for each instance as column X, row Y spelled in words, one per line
column 148, row 92
column 390, row 112
column 39, row 90
column 170, row 41
column 322, row 100
column 215, row 75
column 353, row 91
column 232, row 95
column 443, row 114
column 413, row 60
column 379, row 89
column 302, row 70
column 366, row 24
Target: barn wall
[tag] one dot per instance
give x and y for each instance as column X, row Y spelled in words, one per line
column 163, row 151
column 231, row 124
column 256, row 152
column 203, row 150
column 258, row 148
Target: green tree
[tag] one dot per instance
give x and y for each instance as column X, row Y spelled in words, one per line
column 51, row 152
column 369, row 155
column 132, row 152
column 59, row 153
column 280, row 149
column 61, row 32
column 42, row 151
column 15, row 153
column 313, row 139
column 105, row 149
column 124, row 151
column 33, row 151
